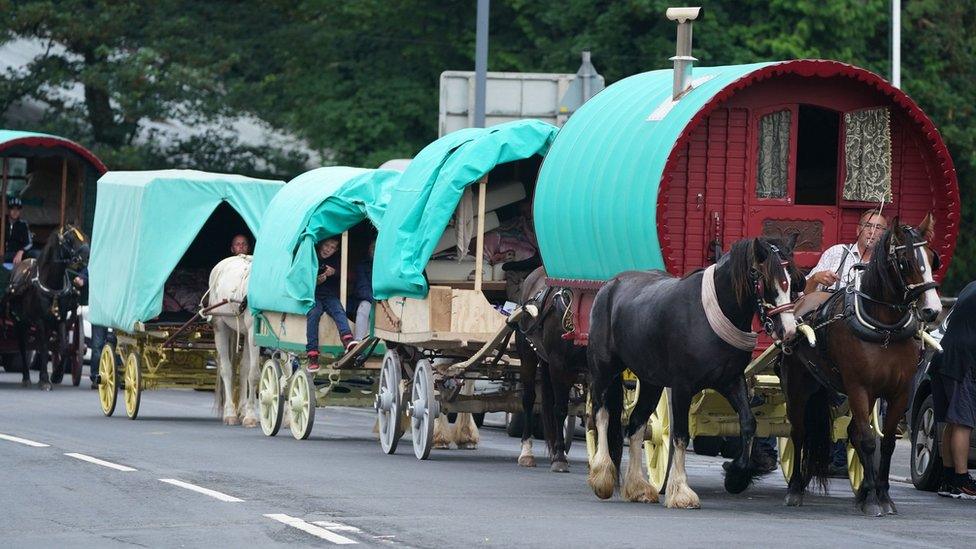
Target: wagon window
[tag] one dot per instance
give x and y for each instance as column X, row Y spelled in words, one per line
column 867, row 148
column 774, row 152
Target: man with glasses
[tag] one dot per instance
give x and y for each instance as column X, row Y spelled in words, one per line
column 833, row 271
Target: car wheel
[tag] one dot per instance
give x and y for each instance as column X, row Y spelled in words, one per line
column 926, row 458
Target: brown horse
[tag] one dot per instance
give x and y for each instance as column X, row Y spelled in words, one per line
column 865, row 348
column 39, row 296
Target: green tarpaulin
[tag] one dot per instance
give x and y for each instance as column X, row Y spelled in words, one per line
column 144, row 223
column 426, row 195
column 317, row 204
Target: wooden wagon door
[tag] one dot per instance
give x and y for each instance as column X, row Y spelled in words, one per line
column 793, row 183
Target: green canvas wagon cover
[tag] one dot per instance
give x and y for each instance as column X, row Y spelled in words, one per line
column 145, row 221
column 317, row 204
column 427, row 194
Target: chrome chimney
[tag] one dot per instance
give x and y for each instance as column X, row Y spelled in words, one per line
column 683, row 60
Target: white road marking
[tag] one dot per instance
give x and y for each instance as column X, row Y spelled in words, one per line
column 337, row 526
column 23, row 441
column 316, row 531
column 200, row 489
column 101, row 462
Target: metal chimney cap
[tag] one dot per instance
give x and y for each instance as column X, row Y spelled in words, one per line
column 683, row 15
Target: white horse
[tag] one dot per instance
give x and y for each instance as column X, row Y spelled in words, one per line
column 465, row 434
column 233, row 327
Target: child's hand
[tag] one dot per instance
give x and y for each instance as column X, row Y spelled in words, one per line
column 329, row 271
column 321, row 278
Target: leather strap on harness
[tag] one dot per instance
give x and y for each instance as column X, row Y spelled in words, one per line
column 722, row 326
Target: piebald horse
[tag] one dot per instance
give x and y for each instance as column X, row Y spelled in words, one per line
column 657, row 325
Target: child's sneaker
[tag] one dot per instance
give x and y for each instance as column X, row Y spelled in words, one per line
column 348, row 342
column 313, row 361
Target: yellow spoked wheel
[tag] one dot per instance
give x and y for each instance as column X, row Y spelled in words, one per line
column 132, row 375
column 107, row 382
column 658, row 450
column 630, row 395
column 301, row 398
column 855, row 469
column 787, row 458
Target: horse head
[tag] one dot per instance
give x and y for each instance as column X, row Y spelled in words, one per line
column 906, row 265
column 73, row 246
column 773, row 280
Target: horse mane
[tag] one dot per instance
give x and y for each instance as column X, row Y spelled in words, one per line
column 740, row 259
column 877, row 277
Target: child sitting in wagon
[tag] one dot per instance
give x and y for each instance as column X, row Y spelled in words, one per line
column 326, row 301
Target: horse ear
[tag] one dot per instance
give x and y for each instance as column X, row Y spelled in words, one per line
column 896, row 228
column 927, row 227
column 792, row 240
column 759, row 250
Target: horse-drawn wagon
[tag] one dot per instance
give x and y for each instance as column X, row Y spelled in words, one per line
column 157, row 234
column 325, row 202
column 442, row 329
column 54, row 179
column 666, row 169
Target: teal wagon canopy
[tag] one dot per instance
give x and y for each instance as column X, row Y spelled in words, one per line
column 427, row 194
column 317, row 204
column 145, row 222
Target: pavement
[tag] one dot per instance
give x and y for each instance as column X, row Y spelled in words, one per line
column 176, row 477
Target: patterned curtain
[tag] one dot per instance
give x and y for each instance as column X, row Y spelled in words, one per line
column 774, row 154
column 867, row 148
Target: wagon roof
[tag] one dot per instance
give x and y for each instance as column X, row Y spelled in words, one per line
column 145, row 221
column 605, row 167
column 427, row 194
column 317, row 204
column 43, row 144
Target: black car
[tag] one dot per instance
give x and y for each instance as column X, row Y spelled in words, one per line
column 925, row 434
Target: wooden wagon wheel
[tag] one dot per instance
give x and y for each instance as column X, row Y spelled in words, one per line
column 132, row 376
column 389, row 403
column 787, row 457
column 423, row 409
column 107, row 380
column 301, row 399
column 659, row 450
column 271, row 401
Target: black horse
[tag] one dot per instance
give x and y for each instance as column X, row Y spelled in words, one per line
column 40, row 295
column 656, row 325
column 865, row 348
column 540, row 343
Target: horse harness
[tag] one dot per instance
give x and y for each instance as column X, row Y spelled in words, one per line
column 540, row 299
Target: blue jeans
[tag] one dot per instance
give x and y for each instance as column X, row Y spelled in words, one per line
column 333, row 307
column 99, row 337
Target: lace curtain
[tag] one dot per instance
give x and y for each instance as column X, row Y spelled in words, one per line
column 867, row 149
column 774, row 154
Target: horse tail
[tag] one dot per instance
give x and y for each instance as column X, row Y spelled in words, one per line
column 817, row 441
column 615, row 431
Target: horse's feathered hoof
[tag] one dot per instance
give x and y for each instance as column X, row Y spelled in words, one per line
column 231, row 420
column 559, row 467
column 25, row 383
column 250, row 422
column 45, row 386
column 738, row 479
column 794, row 500
column 526, row 461
column 468, row 446
column 889, row 508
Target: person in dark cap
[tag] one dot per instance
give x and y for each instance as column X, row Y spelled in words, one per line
column 19, row 240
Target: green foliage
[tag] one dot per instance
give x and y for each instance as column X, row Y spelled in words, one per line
column 358, row 79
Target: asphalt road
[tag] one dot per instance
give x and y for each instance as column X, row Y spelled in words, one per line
column 339, row 488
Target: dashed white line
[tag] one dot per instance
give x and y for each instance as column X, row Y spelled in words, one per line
column 23, row 441
column 101, row 462
column 337, row 526
column 200, row 489
column 316, row 531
